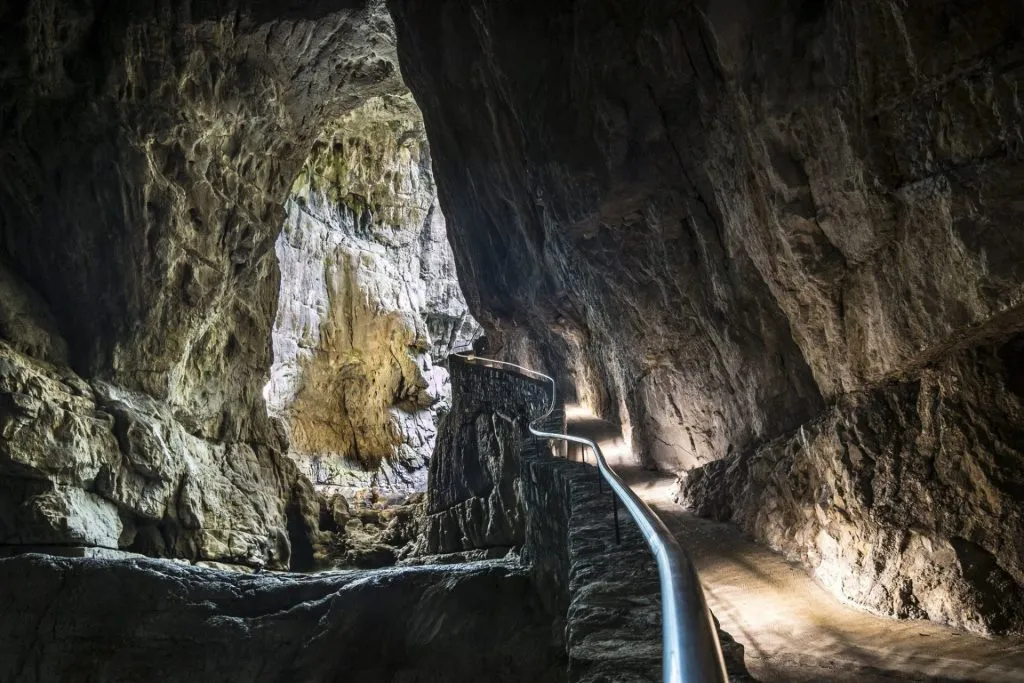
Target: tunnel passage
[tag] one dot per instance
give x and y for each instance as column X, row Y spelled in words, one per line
column 780, row 241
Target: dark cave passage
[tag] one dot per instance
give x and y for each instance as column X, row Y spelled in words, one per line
column 776, row 244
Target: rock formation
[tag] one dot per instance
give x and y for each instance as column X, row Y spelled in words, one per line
column 906, row 498
column 779, row 241
column 730, row 221
column 155, row 620
column 145, row 158
column 92, row 464
column 369, row 303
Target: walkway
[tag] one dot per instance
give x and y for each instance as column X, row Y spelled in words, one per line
column 792, row 629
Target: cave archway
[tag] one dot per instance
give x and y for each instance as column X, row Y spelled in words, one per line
column 369, row 304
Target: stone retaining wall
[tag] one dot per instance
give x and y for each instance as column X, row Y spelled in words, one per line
column 604, row 595
column 474, row 500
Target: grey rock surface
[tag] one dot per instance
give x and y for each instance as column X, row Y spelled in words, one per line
column 369, row 302
column 147, row 620
column 145, row 159
column 151, row 237
column 475, row 495
column 26, row 322
column 905, row 499
column 90, row 464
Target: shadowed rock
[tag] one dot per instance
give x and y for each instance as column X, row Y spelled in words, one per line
column 159, row 621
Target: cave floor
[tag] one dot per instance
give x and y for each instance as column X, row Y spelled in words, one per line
column 792, row 629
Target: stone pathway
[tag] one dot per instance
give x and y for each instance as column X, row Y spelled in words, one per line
column 792, row 629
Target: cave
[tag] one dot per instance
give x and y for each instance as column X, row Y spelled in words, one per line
column 264, row 268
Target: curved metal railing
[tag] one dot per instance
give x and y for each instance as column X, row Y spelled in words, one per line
column 691, row 652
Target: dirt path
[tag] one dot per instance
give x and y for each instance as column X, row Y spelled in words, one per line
column 792, row 629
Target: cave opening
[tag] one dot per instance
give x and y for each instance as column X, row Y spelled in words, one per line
column 369, row 307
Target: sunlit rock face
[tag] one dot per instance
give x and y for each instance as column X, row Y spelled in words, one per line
column 369, row 301
column 145, row 158
column 731, row 221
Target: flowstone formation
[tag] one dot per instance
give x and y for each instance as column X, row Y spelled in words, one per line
column 731, row 221
column 369, row 303
column 145, row 157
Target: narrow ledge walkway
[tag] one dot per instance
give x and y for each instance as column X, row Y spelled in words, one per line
column 792, row 629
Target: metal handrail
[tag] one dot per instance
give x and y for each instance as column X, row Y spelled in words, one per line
column 691, row 652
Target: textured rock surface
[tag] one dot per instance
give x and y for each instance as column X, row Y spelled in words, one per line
column 150, row 620
column 608, row 589
column 371, row 532
column 87, row 463
column 474, row 498
column 145, row 158
column 503, row 486
column 151, row 237
column 905, row 499
column 369, row 300
column 736, row 209
column 723, row 216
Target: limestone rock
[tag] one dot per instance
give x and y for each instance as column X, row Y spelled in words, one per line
column 476, row 489
column 54, row 444
column 716, row 217
column 369, row 532
column 369, row 300
column 474, row 501
column 92, row 464
column 145, row 159
column 728, row 220
column 26, row 321
column 151, row 237
column 904, row 499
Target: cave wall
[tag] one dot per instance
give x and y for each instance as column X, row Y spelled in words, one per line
column 734, row 219
column 93, row 464
column 146, row 153
column 369, row 303
column 736, row 208
column 907, row 498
